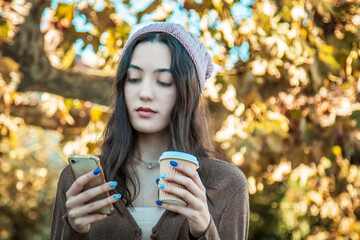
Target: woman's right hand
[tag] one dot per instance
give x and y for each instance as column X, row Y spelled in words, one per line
column 80, row 215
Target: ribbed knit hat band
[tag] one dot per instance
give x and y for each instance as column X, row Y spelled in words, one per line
column 196, row 49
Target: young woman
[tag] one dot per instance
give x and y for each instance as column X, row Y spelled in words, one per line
column 158, row 87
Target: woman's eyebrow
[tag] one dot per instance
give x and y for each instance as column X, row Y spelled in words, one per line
column 163, row 70
column 157, row 70
column 135, row 67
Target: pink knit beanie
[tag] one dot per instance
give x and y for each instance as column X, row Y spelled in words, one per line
column 196, row 49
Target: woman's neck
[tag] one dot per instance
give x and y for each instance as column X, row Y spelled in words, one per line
column 149, row 147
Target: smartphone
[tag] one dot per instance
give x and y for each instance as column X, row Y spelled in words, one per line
column 81, row 164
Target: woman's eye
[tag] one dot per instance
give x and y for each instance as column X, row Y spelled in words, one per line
column 164, row 84
column 133, row 80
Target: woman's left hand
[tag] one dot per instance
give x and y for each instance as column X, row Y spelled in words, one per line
column 194, row 194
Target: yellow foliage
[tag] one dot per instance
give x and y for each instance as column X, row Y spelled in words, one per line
column 68, row 59
column 229, row 98
column 280, row 171
column 326, row 55
column 96, row 114
column 337, row 150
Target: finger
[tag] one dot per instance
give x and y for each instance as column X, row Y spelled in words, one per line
column 192, row 201
column 83, row 221
column 79, row 183
column 188, row 183
column 93, row 206
column 89, row 194
column 185, row 211
column 191, row 173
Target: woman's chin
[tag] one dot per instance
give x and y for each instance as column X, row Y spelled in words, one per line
column 151, row 129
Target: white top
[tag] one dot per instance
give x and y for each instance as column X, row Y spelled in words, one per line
column 146, row 218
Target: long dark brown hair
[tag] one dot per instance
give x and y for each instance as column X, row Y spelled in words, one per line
column 188, row 126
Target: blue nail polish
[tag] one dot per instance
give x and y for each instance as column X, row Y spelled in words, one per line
column 162, row 186
column 96, row 171
column 159, row 203
column 163, row 175
column 157, row 181
column 113, row 184
column 174, row 163
column 117, row 196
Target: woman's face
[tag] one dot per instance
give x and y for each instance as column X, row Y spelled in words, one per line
column 150, row 91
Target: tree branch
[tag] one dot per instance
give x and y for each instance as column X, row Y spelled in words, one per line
column 27, row 48
column 35, row 116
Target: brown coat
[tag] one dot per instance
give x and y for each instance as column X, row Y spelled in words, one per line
column 227, row 196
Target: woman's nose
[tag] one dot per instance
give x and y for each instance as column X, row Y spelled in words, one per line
column 146, row 90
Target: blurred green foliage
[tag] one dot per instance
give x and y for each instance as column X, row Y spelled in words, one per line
column 290, row 111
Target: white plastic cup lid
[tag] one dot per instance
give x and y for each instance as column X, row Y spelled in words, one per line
column 179, row 155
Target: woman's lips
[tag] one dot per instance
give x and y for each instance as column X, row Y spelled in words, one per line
column 145, row 112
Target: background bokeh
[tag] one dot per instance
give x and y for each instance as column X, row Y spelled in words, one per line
column 284, row 103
